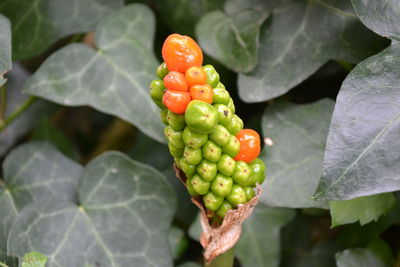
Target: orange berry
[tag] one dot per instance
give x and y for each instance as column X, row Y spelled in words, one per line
column 175, row 81
column 249, row 145
column 202, row 92
column 176, row 101
column 195, row 75
column 181, row 52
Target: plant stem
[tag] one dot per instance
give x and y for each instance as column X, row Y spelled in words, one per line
column 3, row 101
column 223, row 260
column 18, row 111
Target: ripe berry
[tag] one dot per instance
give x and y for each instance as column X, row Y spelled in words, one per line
column 195, row 75
column 176, row 101
column 202, row 92
column 175, row 81
column 181, row 52
column 249, row 145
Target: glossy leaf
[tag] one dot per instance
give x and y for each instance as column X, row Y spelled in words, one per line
column 232, row 39
column 5, row 48
column 181, row 15
column 299, row 38
column 259, row 244
column 362, row 209
column 22, row 124
column 124, row 212
column 113, row 78
column 380, row 16
column 362, row 149
column 37, row 24
column 34, row 173
column 294, row 161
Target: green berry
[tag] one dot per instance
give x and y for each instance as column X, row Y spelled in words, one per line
column 190, row 188
column 157, row 90
column 175, row 151
column 207, row 170
column 193, row 139
column 232, row 147
column 237, row 196
column 224, row 208
column 249, row 192
column 231, row 105
column 211, row 151
column 187, row 168
column 200, row 186
column 176, row 121
column 163, row 116
column 162, row 70
column 257, row 175
column 241, row 173
column 220, row 135
column 192, row 156
column 177, row 162
column 201, row 116
column 174, row 137
column 226, row 165
column 221, row 185
column 224, row 115
column 212, row 75
column 236, row 125
column 221, row 95
column 212, row 201
column 160, row 104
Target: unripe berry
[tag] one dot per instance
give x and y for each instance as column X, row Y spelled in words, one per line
column 199, row 185
column 236, row 125
column 224, row 208
column 212, row 201
column 193, row 139
column 221, row 95
column 192, row 156
column 249, row 192
column 226, row 165
column 176, row 121
column 162, row 70
column 237, row 196
column 187, row 168
column 174, row 137
column 201, row 116
column 224, row 115
column 163, row 116
column 157, row 90
column 190, row 188
column 207, row 170
column 231, row 105
column 175, row 152
column 212, row 75
column 241, row 173
column 220, row 135
column 232, row 147
column 211, row 151
column 221, row 185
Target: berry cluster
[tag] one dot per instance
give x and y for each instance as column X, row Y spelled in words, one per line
column 205, row 136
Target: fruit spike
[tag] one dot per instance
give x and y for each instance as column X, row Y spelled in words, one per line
column 205, row 136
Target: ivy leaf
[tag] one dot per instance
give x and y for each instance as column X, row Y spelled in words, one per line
column 299, row 38
column 362, row 149
column 124, row 215
column 380, row 16
column 259, row 243
column 362, row 209
column 22, row 124
column 181, row 15
column 294, row 161
column 113, row 78
column 34, row 259
column 232, row 39
column 5, row 48
column 37, row 24
column 377, row 253
column 34, row 172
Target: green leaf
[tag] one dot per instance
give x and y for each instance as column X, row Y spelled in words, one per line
column 39, row 23
column 22, row 124
column 114, row 78
column 380, row 16
column 362, row 152
column 177, row 241
column 294, row 161
column 362, row 209
column 5, row 48
column 232, row 39
column 359, row 257
column 46, row 131
column 298, row 39
column 181, row 15
column 259, row 244
column 34, row 259
column 124, row 214
column 34, row 173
